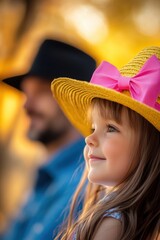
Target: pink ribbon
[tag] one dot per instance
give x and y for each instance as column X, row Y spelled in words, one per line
column 143, row 87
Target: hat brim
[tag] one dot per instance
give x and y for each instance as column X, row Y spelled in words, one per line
column 74, row 97
column 15, row 81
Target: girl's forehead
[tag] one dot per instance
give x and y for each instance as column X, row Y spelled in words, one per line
column 104, row 110
column 101, row 111
column 109, row 112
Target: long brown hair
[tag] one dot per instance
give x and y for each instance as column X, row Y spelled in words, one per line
column 138, row 198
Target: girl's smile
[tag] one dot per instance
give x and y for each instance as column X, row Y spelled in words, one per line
column 93, row 158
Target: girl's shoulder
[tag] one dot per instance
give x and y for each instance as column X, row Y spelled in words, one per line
column 110, row 228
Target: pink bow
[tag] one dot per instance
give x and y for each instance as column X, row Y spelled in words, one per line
column 143, row 87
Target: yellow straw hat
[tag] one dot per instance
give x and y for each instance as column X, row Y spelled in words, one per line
column 136, row 86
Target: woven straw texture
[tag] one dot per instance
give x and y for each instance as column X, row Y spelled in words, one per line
column 75, row 96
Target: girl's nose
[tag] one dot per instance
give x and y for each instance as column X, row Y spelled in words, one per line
column 91, row 140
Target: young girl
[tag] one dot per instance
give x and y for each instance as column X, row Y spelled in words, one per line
column 119, row 114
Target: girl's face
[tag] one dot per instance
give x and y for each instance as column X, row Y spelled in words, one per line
column 109, row 149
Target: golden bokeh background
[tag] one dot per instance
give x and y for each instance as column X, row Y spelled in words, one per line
column 114, row 30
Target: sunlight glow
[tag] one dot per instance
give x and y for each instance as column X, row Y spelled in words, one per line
column 147, row 19
column 89, row 22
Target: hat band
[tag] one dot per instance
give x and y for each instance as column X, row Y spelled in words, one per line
column 143, row 87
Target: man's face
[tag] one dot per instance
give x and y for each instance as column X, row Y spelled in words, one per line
column 47, row 122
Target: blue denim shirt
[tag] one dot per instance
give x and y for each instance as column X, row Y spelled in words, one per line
column 48, row 205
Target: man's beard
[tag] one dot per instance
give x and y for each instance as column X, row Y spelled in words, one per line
column 47, row 136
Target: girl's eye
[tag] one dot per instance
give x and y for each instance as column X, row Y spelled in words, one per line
column 111, row 128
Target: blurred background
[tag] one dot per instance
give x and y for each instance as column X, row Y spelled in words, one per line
column 114, row 30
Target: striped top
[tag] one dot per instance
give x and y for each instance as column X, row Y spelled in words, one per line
column 110, row 213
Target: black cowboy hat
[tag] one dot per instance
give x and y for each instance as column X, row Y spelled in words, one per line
column 57, row 59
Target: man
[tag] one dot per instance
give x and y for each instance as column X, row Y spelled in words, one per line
column 57, row 179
